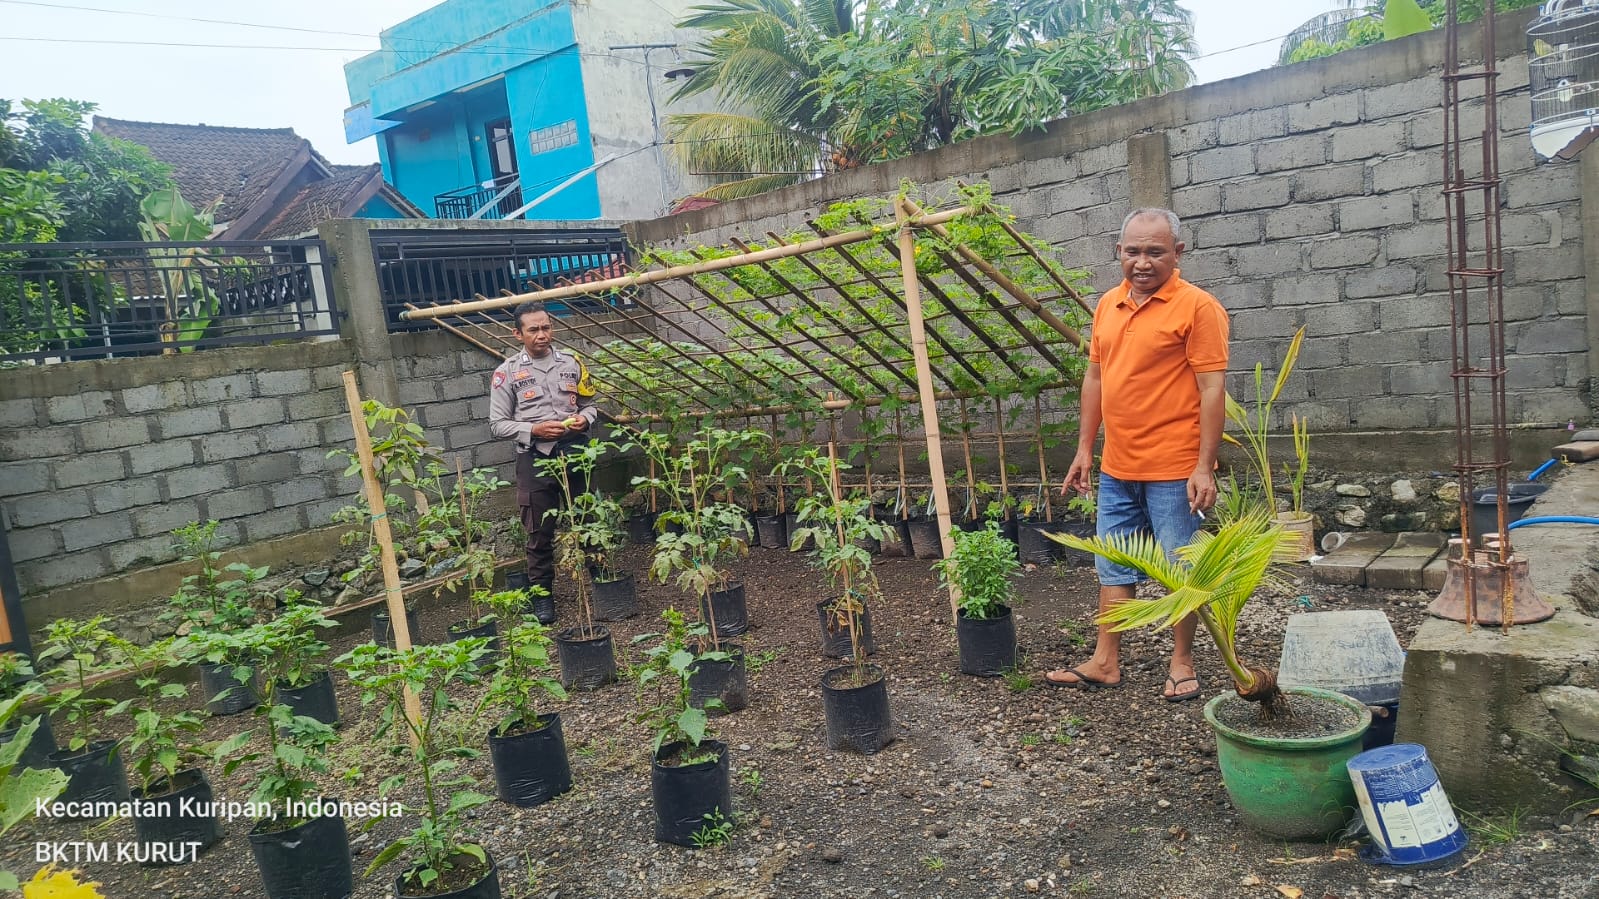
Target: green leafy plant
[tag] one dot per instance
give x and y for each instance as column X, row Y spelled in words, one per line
column 1017, row 680
column 666, row 710
column 165, row 739
column 22, row 789
column 982, row 568
column 81, row 650
column 753, row 781
column 437, row 844
column 524, row 667
column 1255, row 423
column 589, row 526
column 215, row 597
column 402, row 459
column 716, row 831
column 1213, row 577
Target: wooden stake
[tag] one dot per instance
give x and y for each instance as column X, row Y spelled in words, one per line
column 380, row 532
column 924, row 379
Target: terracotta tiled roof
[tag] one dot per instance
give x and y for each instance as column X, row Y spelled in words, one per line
column 208, row 161
column 330, row 198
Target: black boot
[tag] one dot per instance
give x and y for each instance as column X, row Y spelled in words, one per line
column 543, row 605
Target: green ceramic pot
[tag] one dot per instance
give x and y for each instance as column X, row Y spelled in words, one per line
column 1291, row 788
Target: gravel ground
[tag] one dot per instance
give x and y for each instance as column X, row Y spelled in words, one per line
column 993, row 787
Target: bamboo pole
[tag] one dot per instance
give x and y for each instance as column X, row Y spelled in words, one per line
column 385, row 540
column 676, row 271
column 924, row 377
column 971, row 476
column 1043, row 469
column 999, row 434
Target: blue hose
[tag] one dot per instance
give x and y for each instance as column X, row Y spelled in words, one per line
column 1554, row 519
column 1541, row 469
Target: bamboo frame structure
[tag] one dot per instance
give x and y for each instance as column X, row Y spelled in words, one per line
column 879, row 317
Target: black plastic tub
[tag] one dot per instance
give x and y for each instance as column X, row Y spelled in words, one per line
column 1485, row 506
column 96, row 774
column 168, row 834
column 641, row 528
column 588, row 662
column 531, row 766
column 771, row 531
column 223, row 693
column 897, row 542
column 314, row 700
column 309, row 861
column 924, row 539
column 791, row 523
column 486, row 886
column 726, row 613
column 688, row 796
column 721, row 679
column 1034, row 546
column 836, row 643
column 857, row 715
column 987, row 645
column 383, row 630
column 462, row 630
column 616, row 599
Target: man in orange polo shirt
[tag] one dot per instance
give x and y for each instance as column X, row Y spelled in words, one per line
column 1157, row 359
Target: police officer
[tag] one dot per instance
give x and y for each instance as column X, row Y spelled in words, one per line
column 542, row 398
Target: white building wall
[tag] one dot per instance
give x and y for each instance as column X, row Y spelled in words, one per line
column 643, row 184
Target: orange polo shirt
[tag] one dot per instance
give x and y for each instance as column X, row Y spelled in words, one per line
column 1147, row 358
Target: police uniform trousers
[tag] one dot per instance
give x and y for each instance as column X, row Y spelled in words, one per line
column 535, row 496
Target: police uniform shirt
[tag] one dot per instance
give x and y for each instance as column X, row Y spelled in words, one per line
column 525, row 391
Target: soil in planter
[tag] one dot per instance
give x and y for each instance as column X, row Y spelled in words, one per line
column 468, row 880
column 616, row 599
column 1311, row 717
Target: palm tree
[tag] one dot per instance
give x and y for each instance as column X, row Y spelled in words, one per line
column 1213, row 577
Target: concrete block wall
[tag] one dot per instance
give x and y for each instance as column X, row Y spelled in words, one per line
column 445, row 384
column 1310, row 197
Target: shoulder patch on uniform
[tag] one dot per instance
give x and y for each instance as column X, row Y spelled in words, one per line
column 499, row 378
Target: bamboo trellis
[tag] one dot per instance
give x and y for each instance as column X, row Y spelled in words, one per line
column 866, row 320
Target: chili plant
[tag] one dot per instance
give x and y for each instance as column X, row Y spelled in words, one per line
column 982, row 568
column 589, row 526
column 82, row 649
column 524, row 666
column 164, row 739
column 214, row 597
column 670, row 716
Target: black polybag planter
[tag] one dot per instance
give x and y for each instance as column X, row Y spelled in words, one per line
column 835, row 633
column 173, row 828
column 486, row 887
column 724, row 679
column 857, row 716
column 791, row 523
column 314, row 700
column 897, row 542
column 516, row 580
column 615, row 600
column 925, row 541
column 310, row 861
column 95, row 774
column 1009, row 529
column 685, row 794
column 726, row 615
column 37, row 755
column 1034, row 546
column 641, row 528
column 771, row 532
column 223, row 693
column 587, row 662
column 530, row 766
column 491, row 629
column 383, row 629
column 987, row 645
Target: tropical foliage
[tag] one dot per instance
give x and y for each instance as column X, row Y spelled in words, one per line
column 1361, row 22
column 1213, row 577
column 819, row 85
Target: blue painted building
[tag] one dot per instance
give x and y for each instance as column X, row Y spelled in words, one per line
column 482, row 106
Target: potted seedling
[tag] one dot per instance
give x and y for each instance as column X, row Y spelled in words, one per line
column 301, row 848
column 216, row 599
column 855, row 696
column 588, row 657
column 93, row 764
column 1035, row 522
column 982, row 571
column 456, row 539
column 17, row 679
column 526, row 747
column 711, row 534
column 162, row 750
column 690, row 781
column 301, row 679
column 1254, row 424
column 1287, row 786
column 442, row 861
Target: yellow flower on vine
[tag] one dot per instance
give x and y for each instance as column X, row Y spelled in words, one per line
column 50, row 883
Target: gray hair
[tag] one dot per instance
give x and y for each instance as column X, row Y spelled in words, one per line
column 1156, row 212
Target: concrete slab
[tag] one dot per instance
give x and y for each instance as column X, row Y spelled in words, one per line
column 1436, row 572
column 1576, row 451
column 1401, row 566
column 1347, row 564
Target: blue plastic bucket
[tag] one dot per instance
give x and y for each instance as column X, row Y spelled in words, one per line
column 1409, row 817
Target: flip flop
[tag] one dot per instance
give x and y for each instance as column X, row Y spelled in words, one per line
column 1181, row 697
column 1083, row 682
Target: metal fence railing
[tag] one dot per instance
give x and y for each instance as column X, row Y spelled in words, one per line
column 66, row 301
column 425, row 267
column 464, row 202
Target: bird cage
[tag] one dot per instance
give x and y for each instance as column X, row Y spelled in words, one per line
column 1564, row 74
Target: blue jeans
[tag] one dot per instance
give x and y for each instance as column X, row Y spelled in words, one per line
column 1152, row 507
